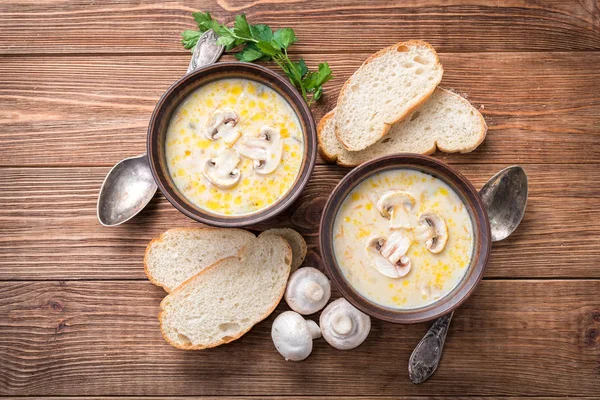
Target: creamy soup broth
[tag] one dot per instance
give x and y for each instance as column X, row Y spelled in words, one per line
column 359, row 225
column 236, row 127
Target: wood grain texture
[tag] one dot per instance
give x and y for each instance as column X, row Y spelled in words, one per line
column 78, row 82
column 50, row 230
column 80, row 26
column 306, row 397
column 328, row 397
column 89, row 111
column 102, row 338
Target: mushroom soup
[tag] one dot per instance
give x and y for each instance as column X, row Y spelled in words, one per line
column 234, row 147
column 403, row 238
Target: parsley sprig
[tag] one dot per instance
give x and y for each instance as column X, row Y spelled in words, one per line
column 260, row 43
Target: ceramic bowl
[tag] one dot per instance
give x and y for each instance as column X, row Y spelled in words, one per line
column 481, row 231
column 167, row 104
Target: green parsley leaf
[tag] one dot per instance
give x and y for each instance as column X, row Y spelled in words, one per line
column 249, row 54
column 203, row 20
column 310, row 81
column 285, row 37
column 302, row 66
column 226, row 40
column 241, row 27
column 266, row 48
column 190, row 38
column 324, row 74
column 261, row 33
column 295, row 74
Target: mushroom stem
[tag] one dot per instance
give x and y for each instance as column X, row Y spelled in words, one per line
column 308, row 291
column 389, row 255
column 342, row 324
column 314, row 329
column 314, row 291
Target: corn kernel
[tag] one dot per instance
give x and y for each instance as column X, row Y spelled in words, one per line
column 236, row 90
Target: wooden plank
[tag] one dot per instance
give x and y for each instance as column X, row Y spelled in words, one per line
column 49, row 228
column 102, row 338
column 110, row 26
column 94, row 110
column 306, row 397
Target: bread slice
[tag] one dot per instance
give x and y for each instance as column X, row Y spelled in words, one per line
column 389, row 85
column 295, row 240
column 179, row 254
column 446, row 121
column 224, row 301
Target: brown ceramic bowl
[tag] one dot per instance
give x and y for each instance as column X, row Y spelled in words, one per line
column 481, row 230
column 167, row 104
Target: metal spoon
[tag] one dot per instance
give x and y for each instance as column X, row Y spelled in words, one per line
column 505, row 199
column 129, row 185
column 127, row 189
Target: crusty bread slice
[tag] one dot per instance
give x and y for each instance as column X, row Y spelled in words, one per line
column 224, row 301
column 295, row 240
column 179, row 254
column 388, row 86
column 445, row 121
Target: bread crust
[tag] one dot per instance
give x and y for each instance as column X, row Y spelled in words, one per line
column 295, row 237
column 242, row 333
column 387, row 125
column 320, row 127
column 160, row 239
column 482, row 133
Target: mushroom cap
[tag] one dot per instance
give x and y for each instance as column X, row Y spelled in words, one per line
column 343, row 326
column 308, row 290
column 221, row 125
column 395, row 206
column 266, row 150
column 221, row 170
column 437, row 242
column 293, row 335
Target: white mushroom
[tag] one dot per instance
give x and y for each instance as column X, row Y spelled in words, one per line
column 433, row 231
column 395, row 205
column 389, row 255
column 343, row 326
column 222, row 171
column 266, row 150
column 221, row 125
column 308, row 291
column 293, row 335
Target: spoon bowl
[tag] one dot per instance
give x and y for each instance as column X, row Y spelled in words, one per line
column 127, row 189
column 505, row 199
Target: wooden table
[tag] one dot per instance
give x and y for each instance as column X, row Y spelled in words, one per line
column 78, row 82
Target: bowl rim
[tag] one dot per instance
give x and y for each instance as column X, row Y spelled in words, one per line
column 481, row 228
column 310, row 151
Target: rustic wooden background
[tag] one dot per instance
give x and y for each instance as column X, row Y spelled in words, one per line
column 78, row 81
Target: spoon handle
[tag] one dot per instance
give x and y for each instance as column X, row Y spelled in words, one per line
column 426, row 356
